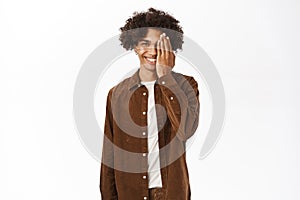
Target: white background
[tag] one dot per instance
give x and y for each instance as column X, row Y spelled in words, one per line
column 254, row 45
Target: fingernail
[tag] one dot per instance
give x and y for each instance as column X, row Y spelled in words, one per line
column 167, row 37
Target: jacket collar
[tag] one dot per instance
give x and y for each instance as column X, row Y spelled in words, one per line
column 134, row 80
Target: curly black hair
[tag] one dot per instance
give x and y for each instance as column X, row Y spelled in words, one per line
column 136, row 28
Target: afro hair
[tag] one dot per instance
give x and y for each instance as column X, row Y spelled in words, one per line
column 136, row 28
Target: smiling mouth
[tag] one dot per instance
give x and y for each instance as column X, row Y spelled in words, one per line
column 151, row 60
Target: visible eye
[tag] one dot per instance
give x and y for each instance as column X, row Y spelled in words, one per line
column 145, row 44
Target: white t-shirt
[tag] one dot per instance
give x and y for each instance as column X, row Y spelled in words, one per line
column 154, row 175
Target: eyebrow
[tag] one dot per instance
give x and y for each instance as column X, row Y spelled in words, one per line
column 143, row 40
column 148, row 41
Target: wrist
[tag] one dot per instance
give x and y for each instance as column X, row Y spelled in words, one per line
column 163, row 72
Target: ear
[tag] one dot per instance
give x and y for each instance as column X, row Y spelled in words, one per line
column 136, row 50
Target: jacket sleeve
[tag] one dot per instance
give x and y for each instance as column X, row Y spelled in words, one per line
column 107, row 176
column 181, row 98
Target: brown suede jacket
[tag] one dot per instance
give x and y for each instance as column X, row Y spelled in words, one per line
column 123, row 173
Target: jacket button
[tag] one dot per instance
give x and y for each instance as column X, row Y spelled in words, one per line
column 144, row 113
column 144, row 133
column 144, row 93
column 171, row 98
column 144, row 177
column 163, row 82
column 145, row 198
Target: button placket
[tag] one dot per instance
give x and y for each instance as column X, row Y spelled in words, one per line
column 144, row 148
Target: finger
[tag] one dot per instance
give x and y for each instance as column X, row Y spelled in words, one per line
column 163, row 41
column 169, row 46
column 166, row 45
column 166, row 48
column 158, row 48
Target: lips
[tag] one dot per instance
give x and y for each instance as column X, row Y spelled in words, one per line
column 151, row 61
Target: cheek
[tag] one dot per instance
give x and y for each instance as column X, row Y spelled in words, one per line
column 141, row 51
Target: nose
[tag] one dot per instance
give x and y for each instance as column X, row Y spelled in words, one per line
column 152, row 50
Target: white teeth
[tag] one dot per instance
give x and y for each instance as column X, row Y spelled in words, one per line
column 151, row 59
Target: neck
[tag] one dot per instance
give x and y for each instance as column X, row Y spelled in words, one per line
column 146, row 75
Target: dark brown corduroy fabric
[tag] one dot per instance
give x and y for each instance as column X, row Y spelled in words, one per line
column 124, row 165
column 157, row 194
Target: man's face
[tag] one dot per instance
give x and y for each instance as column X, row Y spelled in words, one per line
column 146, row 49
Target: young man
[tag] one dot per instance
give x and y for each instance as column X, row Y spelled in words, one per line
column 149, row 116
